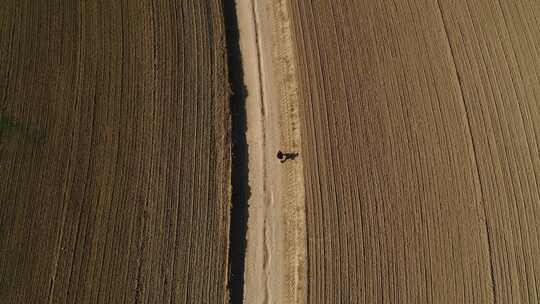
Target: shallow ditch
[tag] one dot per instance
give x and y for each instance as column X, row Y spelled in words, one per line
column 239, row 174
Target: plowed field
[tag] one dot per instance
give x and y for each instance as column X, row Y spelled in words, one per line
column 420, row 129
column 114, row 152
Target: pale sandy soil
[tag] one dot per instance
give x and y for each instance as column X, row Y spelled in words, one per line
column 276, row 238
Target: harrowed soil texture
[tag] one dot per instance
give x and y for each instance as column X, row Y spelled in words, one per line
column 115, row 152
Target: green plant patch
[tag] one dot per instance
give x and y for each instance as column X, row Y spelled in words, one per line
column 6, row 124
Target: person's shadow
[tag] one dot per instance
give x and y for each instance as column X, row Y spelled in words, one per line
column 284, row 156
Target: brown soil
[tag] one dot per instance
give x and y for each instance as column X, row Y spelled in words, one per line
column 114, row 152
column 420, row 128
column 417, row 124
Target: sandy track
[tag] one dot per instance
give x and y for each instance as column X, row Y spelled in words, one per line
column 420, row 124
column 114, row 179
column 275, row 256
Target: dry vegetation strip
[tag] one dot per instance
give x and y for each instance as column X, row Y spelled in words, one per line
column 420, row 124
column 114, row 153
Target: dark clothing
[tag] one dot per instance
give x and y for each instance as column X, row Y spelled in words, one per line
column 285, row 156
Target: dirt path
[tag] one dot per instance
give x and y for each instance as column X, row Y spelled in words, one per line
column 275, row 250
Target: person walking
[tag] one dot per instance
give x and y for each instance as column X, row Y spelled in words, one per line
column 283, row 157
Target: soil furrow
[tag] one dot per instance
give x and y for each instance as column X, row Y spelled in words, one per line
column 132, row 107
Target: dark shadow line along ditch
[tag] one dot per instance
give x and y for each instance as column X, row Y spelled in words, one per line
column 239, row 175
